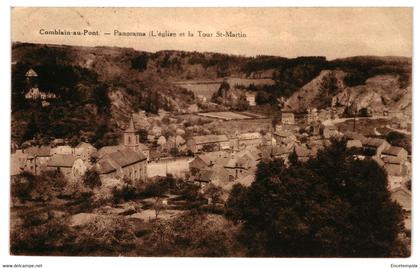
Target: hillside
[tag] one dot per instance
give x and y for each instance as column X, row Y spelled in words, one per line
column 97, row 88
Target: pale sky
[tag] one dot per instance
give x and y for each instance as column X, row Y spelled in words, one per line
column 288, row 32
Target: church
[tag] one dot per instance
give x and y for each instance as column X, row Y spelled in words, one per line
column 126, row 161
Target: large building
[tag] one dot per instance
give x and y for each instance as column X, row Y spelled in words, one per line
column 208, row 143
column 287, row 118
column 124, row 164
column 126, row 161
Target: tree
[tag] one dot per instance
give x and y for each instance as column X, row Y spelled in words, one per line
column 330, row 206
column 235, row 202
column 143, row 135
column 262, row 97
column 91, row 179
column 293, row 157
column 214, row 193
column 242, row 104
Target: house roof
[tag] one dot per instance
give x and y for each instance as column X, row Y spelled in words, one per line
column 41, row 151
column 205, row 175
column 108, row 149
column 249, row 136
column 350, row 135
column 209, row 139
column 119, row 158
column 354, row 144
column 62, row 160
column 31, row 73
column 283, row 133
column 393, row 150
column 373, row 142
column 85, row 145
column 207, row 159
column 391, row 160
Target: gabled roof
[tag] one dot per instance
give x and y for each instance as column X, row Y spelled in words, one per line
column 108, row 149
column 391, row 160
column 31, row 73
column 119, row 159
column 283, row 133
column 85, row 145
column 249, row 136
column 393, row 150
column 207, row 159
column 62, row 160
column 209, row 139
column 373, row 142
column 205, row 175
column 41, row 151
column 350, row 135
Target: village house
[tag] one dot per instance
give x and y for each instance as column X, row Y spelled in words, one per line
column 177, row 142
column 287, row 118
column 249, row 139
column 37, row 158
column 123, row 164
column 69, row 165
column 18, row 162
column 234, row 143
column 34, row 93
column 395, row 151
column 314, row 129
column 351, row 135
column 275, row 152
column 330, row 132
column 84, row 151
column 354, row 144
column 394, row 166
column 62, row 149
column 312, row 115
column 250, row 98
column 208, row 143
column 268, row 139
column 284, row 137
column 217, row 175
column 374, row 146
column 200, row 162
column 238, row 166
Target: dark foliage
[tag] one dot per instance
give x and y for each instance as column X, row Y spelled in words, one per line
column 331, row 206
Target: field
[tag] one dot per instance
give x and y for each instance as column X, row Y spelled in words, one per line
column 225, row 115
column 246, row 82
column 203, row 88
column 365, row 126
column 207, row 88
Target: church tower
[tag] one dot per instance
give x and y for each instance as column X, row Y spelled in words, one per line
column 131, row 139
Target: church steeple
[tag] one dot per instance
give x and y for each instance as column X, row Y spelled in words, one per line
column 131, row 140
column 130, row 125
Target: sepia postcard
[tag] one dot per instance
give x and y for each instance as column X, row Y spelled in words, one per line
column 211, row 132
